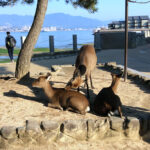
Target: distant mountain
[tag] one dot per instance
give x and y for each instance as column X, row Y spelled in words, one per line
column 57, row 19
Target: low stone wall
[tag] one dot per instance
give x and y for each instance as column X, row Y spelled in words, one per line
column 116, row 39
column 55, row 55
column 133, row 125
column 69, row 130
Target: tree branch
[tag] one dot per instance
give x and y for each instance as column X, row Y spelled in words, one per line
column 138, row 2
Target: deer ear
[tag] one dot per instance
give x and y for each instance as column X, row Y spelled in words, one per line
column 48, row 76
column 120, row 75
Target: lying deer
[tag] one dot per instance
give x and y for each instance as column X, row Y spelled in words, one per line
column 107, row 102
column 84, row 65
column 62, row 99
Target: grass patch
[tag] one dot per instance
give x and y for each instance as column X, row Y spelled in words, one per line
column 6, row 61
column 3, row 51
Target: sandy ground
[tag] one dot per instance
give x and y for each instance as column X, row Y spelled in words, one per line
column 20, row 102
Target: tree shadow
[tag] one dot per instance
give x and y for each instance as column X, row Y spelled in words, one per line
column 38, row 92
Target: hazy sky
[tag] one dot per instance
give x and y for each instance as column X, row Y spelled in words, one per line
column 107, row 9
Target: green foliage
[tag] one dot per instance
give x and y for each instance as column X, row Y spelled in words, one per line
column 12, row 2
column 90, row 5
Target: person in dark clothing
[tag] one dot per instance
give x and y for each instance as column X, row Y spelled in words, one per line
column 10, row 43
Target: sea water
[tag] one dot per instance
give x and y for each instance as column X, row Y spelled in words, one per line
column 62, row 39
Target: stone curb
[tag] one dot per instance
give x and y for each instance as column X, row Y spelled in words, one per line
column 131, row 73
column 55, row 55
column 84, row 129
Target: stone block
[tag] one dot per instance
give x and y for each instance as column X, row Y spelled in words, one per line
column 117, row 123
column 9, row 132
column 34, row 132
column 51, row 130
column 49, row 126
column 76, row 129
column 33, row 126
column 24, row 136
column 97, row 129
column 144, row 123
column 133, row 128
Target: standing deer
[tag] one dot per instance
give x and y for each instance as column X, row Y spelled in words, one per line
column 84, row 65
column 62, row 99
column 107, row 102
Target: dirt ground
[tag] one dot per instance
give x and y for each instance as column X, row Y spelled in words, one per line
column 20, row 102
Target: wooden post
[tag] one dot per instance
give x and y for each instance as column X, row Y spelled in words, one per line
column 75, row 42
column 22, row 40
column 51, row 44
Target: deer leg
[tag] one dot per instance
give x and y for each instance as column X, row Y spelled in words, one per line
column 120, row 111
column 76, row 111
column 91, row 82
column 55, row 106
column 86, row 82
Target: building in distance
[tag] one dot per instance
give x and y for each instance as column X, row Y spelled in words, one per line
column 134, row 22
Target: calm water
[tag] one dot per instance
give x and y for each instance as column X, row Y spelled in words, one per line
column 62, row 39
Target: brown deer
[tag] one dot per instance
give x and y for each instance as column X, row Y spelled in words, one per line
column 61, row 98
column 84, row 65
column 107, row 102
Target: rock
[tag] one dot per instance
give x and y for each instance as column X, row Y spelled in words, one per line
column 77, row 129
column 21, row 132
column 117, row 124
column 9, row 132
column 49, row 126
column 50, row 129
column 97, row 129
column 24, row 136
column 144, row 123
column 34, row 132
column 133, row 128
column 33, row 126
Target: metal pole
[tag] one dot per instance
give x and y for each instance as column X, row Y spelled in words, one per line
column 126, row 40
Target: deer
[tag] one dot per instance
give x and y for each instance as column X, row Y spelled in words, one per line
column 62, row 99
column 84, row 65
column 107, row 103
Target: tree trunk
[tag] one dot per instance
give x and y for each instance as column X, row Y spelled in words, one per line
column 24, row 58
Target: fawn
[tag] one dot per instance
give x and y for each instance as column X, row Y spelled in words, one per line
column 107, row 102
column 61, row 98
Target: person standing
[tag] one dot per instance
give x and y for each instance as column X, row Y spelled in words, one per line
column 10, row 43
